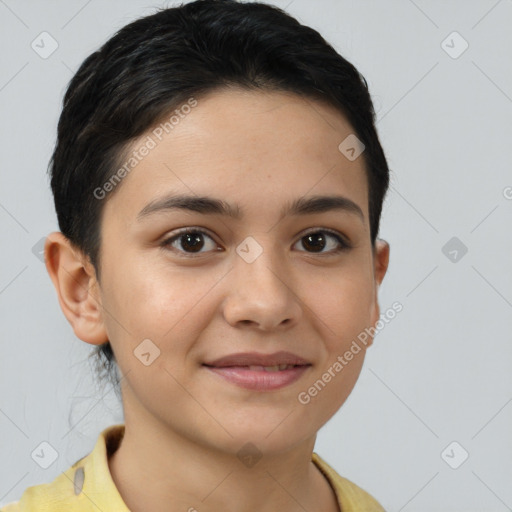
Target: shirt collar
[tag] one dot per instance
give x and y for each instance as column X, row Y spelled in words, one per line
column 91, row 476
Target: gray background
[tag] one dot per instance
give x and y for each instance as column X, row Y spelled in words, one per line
column 439, row 372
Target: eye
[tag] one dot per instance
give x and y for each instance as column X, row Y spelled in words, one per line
column 194, row 241
column 190, row 241
column 317, row 241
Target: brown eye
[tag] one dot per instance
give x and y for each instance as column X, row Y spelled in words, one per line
column 314, row 242
column 317, row 241
column 190, row 241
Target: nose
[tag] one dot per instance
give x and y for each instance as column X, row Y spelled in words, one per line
column 261, row 296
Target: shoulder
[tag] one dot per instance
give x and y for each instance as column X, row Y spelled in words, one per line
column 351, row 497
column 56, row 496
column 11, row 507
column 43, row 497
column 83, row 487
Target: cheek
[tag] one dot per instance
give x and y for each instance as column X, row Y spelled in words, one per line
column 153, row 301
column 328, row 389
column 348, row 315
column 343, row 305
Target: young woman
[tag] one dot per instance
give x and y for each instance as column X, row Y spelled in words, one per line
column 218, row 182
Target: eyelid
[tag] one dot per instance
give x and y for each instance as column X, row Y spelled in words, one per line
column 190, row 229
column 344, row 239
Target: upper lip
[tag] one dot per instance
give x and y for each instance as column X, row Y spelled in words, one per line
column 256, row 359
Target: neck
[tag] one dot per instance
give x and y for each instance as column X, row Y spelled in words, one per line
column 157, row 469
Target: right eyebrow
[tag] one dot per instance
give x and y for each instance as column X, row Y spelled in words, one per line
column 203, row 204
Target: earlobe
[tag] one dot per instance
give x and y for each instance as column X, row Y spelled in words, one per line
column 77, row 289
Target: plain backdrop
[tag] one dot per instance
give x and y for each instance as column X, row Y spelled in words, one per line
column 428, row 425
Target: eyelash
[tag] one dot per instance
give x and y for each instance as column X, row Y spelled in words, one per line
column 343, row 243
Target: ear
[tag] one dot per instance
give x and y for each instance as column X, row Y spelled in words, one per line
column 77, row 288
column 380, row 267
column 380, row 260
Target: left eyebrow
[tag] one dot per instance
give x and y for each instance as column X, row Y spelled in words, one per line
column 209, row 205
column 321, row 204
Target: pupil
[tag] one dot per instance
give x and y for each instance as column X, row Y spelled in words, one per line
column 311, row 241
column 194, row 241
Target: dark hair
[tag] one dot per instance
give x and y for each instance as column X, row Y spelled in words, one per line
column 157, row 63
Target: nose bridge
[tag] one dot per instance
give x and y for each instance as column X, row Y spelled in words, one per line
column 260, row 292
column 258, row 265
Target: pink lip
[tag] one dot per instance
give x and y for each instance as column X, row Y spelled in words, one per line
column 259, row 380
column 235, row 368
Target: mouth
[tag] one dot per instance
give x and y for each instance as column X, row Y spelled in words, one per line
column 260, row 372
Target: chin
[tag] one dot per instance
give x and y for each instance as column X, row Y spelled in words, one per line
column 267, row 434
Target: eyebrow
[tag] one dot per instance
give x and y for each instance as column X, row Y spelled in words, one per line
column 212, row 206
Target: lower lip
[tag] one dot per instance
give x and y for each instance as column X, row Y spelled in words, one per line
column 259, row 380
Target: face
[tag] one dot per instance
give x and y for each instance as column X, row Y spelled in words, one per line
column 242, row 308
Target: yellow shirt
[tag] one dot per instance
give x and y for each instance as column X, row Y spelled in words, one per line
column 87, row 486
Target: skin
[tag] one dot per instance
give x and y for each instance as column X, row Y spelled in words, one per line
column 185, row 425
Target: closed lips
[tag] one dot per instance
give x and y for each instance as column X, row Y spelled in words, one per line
column 260, row 372
column 275, row 368
column 255, row 361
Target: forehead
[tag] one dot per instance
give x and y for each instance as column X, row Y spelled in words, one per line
column 259, row 149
